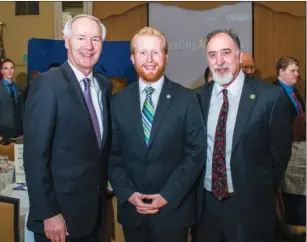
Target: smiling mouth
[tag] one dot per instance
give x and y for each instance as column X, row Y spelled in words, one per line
column 222, row 71
column 150, row 68
column 87, row 55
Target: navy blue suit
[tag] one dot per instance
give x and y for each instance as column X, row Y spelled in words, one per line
column 65, row 169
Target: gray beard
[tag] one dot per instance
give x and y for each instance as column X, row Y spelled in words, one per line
column 222, row 80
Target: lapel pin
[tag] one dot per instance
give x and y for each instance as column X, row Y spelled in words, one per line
column 252, row 96
column 168, row 96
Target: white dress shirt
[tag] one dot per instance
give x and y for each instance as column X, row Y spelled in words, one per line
column 234, row 95
column 155, row 95
column 95, row 93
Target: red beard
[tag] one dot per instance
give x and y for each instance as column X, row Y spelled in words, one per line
column 151, row 76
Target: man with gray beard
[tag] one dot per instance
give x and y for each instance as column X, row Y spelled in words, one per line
column 248, row 133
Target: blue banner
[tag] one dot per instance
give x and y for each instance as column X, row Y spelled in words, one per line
column 113, row 62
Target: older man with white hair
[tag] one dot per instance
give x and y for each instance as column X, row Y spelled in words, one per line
column 66, row 140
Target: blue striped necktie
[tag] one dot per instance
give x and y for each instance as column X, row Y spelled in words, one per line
column 148, row 113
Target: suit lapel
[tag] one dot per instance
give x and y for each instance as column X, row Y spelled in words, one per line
column 76, row 93
column 5, row 94
column 248, row 99
column 165, row 98
column 4, row 91
column 204, row 98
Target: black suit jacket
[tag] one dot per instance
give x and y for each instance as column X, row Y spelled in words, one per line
column 260, row 153
column 65, row 170
column 11, row 118
column 299, row 97
column 169, row 165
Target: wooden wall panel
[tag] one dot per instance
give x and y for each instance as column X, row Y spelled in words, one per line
column 125, row 25
column 276, row 35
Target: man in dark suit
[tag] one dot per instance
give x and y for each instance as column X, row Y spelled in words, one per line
column 11, row 104
column 248, row 148
column 66, row 140
column 287, row 70
column 157, row 148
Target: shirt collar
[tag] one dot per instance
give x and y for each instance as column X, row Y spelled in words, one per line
column 80, row 76
column 234, row 89
column 284, row 85
column 6, row 82
column 156, row 85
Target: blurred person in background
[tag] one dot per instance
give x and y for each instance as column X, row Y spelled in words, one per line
column 12, row 104
column 248, row 64
column 287, row 70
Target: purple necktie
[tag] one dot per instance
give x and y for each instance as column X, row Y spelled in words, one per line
column 91, row 109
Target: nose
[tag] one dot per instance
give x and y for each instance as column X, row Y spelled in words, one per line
column 149, row 58
column 219, row 59
column 88, row 44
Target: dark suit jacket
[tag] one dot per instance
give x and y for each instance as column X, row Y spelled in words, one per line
column 65, row 170
column 299, row 97
column 260, row 153
column 169, row 165
column 10, row 119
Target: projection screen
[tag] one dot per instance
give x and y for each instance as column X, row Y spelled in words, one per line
column 186, row 31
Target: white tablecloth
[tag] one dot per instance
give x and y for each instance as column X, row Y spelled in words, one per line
column 24, row 208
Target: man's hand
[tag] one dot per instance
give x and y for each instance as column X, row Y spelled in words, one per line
column 55, row 228
column 157, row 200
column 1, row 138
column 144, row 208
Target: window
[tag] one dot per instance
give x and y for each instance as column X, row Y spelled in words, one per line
column 26, row 8
column 63, row 11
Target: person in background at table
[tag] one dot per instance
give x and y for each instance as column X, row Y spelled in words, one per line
column 157, row 148
column 67, row 140
column 11, row 104
column 248, row 132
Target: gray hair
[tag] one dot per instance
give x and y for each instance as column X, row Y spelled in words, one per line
column 68, row 25
column 229, row 32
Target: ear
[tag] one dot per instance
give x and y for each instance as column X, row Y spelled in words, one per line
column 132, row 59
column 240, row 56
column 166, row 58
column 66, row 42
